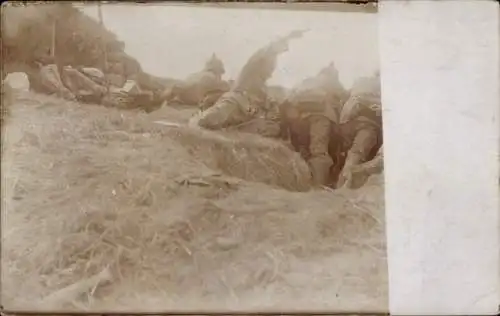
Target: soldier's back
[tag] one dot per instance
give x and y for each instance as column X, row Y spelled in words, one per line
column 309, row 90
column 318, row 89
column 201, row 79
column 365, row 94
column 255, row 71
column 194, row 88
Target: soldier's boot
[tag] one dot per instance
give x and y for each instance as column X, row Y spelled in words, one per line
column 320, row 170
column 359, row 179
column 347, row 178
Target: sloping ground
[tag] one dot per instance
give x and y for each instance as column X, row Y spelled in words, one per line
column 104, row 209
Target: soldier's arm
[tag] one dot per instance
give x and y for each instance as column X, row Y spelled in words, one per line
column 281, row 44
column 295, row 34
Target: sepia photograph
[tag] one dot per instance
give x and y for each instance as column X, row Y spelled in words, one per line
column 192, row 157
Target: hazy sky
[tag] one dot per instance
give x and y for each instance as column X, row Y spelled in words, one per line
column 175, row 41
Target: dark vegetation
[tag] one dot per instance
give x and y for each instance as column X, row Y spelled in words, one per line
column 79, row 40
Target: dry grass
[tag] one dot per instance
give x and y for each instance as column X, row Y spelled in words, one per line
column 103, row 209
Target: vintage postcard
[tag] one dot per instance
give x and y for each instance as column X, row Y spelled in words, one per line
column 192, row 157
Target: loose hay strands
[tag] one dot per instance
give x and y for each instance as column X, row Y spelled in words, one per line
column 165, row 210
column 245, row 156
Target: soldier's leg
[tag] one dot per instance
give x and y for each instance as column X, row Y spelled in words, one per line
column 52, row 82
column 336, row 151
column 320, row 161
column 374, row 166
column 301, row 138
column 221, row 115
column 294, row 128
column 365, row 139
column 70, row 83
column 82, row 82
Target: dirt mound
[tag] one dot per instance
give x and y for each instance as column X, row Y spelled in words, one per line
column 103, row 208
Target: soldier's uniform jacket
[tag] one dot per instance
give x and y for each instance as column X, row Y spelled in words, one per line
column 364, row 102
column 259, row 68
column 247, row 99
column 317, row 95
column 198, row 85
column 250, row 84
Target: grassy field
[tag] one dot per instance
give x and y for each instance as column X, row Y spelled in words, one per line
column 107, row 210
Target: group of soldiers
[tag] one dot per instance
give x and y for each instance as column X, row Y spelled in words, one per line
column 338, row 132
column 118, row 83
